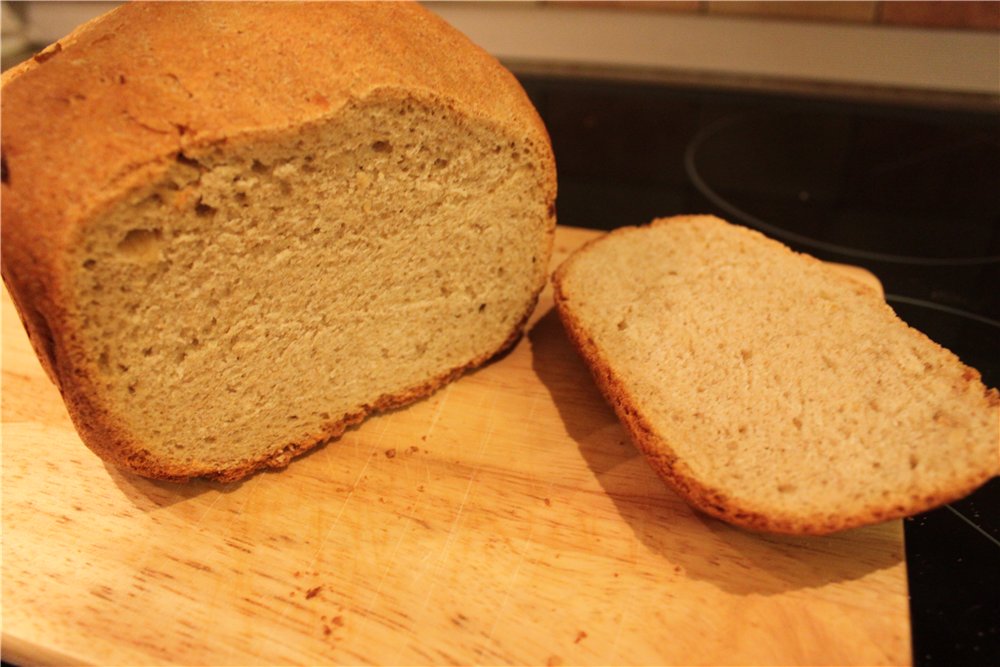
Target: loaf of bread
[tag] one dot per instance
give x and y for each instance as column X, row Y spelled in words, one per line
column 233, row 229
column 768, row 389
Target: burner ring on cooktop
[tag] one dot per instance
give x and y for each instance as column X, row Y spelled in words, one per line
column 970, row 336
column 957, row 312
column 738, row 214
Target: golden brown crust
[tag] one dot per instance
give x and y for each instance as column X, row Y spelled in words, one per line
column 662, row 458
column 108, row 109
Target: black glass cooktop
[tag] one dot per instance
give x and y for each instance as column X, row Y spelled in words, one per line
column 911, row 193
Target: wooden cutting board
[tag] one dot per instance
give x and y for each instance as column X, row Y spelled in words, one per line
column 505, row 519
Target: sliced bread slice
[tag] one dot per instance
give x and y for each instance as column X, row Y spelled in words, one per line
column 768, row 389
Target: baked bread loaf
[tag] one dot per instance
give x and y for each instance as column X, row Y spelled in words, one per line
column 232, row 230
column 768, row 389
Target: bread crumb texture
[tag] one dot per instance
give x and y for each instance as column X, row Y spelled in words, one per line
column 769, row 390
column 272, row 279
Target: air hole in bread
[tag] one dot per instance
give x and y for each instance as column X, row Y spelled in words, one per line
column 189, row 161
column 382, row 147
column 786, row 488
column 204, row 210
column 142, row 244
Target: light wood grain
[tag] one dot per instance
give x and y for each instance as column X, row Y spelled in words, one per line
column 506, row 519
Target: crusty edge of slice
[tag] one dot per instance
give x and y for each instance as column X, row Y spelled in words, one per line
column 665, row 462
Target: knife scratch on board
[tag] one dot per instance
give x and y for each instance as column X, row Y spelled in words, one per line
column 456, row 522
column 437, row 411
column 215, row 501
column 510, row 585
column 390, row 566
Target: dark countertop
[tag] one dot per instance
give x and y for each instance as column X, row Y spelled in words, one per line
column 907, row 191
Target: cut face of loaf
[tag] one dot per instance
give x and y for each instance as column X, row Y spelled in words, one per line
column 250, row 296
column 270, row 295
column 766, row 388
